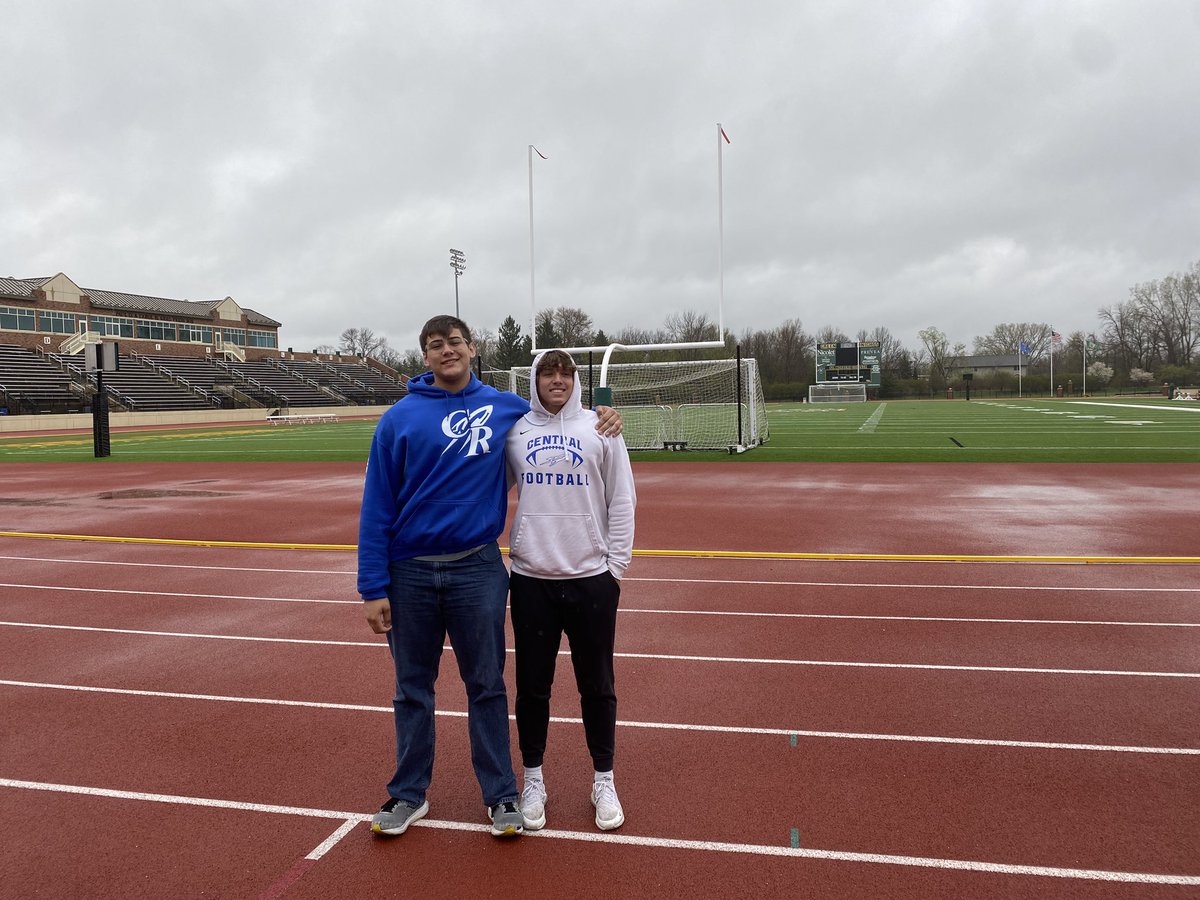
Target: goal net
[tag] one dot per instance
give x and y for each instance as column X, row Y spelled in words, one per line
column 848, row 392
column 693, row 405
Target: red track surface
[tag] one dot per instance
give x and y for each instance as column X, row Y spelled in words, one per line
column 771, row 709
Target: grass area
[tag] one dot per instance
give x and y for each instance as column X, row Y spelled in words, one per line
column 889, row 431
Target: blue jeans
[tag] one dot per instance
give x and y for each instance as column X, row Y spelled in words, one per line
column 465, row 599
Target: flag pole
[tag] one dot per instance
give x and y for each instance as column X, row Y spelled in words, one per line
column 1019, row 354
column 720, row 234
column 1085, row 349
column 1053, row 393
column 532, row 303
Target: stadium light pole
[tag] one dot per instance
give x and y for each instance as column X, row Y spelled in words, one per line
column 458, row 262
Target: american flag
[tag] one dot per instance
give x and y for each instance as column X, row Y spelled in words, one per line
column 1055, row 337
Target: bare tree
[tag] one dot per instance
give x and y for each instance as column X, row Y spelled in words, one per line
column 1007, row 337
column 689, row 326
column 791, row 350
column 573, row 326
column 362, row 342
column 941, row 358
column 830, row 335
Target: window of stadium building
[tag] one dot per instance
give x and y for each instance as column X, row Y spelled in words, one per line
column 111, row 325
column 149, row 330
column 13, row 318
column 234, row 336
column 262, row 339
column 57, row 322
column 196, row 334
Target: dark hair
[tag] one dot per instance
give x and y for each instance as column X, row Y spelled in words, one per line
column 557, row 359
column 443, row 325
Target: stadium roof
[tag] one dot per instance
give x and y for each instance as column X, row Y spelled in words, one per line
column 22, row 288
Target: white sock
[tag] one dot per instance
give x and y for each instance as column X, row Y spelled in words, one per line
column 604, row 776
column 533, row 774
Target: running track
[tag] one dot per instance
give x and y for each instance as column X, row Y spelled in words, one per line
column 194, row 720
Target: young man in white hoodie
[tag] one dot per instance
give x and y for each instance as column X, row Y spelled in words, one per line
column 571, row 540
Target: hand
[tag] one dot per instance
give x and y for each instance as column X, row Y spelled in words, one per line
column 610, row 423
column 379, row 615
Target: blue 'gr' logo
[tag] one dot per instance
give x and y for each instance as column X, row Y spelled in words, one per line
column 468, row 429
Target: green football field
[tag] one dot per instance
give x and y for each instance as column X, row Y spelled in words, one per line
column 1102, row 430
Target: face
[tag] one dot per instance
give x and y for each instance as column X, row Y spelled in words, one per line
column 554, row 387
column 449, row 356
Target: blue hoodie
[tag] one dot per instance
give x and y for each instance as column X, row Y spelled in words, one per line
column 435, row 478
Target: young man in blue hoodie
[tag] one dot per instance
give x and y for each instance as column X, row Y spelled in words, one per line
column 434, row 503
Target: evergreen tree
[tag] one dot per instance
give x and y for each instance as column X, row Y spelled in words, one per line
column 511, row 347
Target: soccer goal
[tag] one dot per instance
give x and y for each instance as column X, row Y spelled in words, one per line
column 838, row 392
column 707, row 404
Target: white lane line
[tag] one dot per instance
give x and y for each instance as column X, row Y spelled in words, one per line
column 664, row 612
column 668, row 657
column 328, row 844
column 1136, row 406
column 185, row 634
column 633, row 840
column 868, row 427
column 658, row 726
column 972, row 620
column 632, row 578
column 907, row 585
column 154, row 592
column 146, row 565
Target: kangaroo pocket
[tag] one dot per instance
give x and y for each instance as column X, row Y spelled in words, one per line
column 444, row 526
column 556, row 545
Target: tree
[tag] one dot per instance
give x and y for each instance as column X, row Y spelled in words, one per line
column 362, row 342
column 1006, row 337
column 690, row 326
column 1140, row 376
column 939, row 355
column 573, row 327
column 830, row 335
column 1101, row 372
column 510, row 346
column 791, row 349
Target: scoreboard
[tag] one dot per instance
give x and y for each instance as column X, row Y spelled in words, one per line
column 854, row 361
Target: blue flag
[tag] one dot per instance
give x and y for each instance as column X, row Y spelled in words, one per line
column 1024, row 348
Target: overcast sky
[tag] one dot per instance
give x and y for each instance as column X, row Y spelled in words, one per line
column 903, row 164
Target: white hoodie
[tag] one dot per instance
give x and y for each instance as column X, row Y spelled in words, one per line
column 575, row 493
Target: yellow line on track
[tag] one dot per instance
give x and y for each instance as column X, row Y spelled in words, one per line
column 692, row 554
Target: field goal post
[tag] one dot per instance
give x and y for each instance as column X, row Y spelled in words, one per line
column 708, row 404
column 837, row 392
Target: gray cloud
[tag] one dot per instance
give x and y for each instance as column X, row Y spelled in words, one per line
column 948, row 163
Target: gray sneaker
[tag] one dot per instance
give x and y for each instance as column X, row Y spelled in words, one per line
column 395, row 816
column 507, row 820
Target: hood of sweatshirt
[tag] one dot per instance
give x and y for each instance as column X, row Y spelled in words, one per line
column 423, row 384
column 538, row 413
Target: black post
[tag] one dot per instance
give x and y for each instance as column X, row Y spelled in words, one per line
column 739, row 392
column 591, row 380
column 100, row 435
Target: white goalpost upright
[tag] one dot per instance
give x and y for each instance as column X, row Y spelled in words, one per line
column 705, row 404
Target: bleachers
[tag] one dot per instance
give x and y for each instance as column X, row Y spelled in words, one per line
column 359, row 384
column 31, row 383
column 286, row 389
column 379, row 387
column 139, row 387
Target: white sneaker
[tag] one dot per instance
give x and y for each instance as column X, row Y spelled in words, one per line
column 533, row 804
column 609, row 814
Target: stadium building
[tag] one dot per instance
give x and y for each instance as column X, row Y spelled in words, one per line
column 175, row 355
